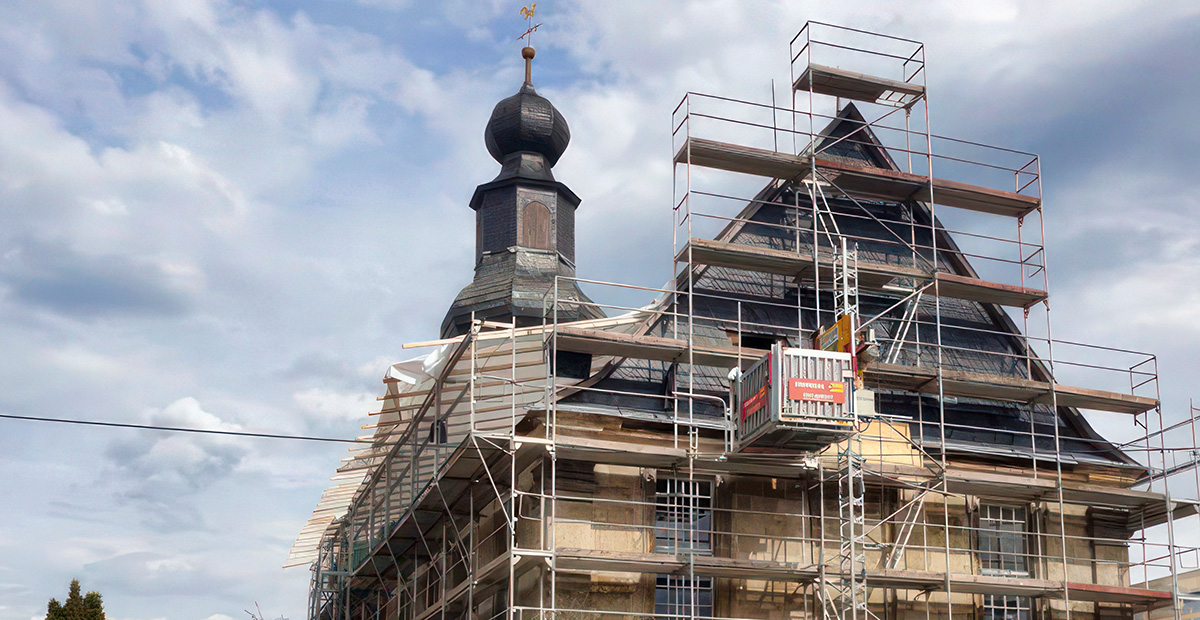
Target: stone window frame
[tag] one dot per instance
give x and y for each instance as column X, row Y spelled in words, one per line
column 1006, row 607
column 669, row 593
column 675, row 493
column 1012, row 529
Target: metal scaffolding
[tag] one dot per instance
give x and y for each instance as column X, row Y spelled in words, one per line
column 522, row 473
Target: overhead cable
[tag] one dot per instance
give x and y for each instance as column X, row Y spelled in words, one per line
column 182, row 429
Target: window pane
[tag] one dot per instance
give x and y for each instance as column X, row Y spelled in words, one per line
column 674, row 596
column 683, row 516
column 1003, row 607
column 1002, row 539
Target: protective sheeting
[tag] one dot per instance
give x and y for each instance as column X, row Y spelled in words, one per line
column 410, row 382
column 407, row 382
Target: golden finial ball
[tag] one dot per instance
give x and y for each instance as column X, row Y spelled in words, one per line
column 527, row 53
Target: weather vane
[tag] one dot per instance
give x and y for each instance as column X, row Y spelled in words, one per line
column 527, row 13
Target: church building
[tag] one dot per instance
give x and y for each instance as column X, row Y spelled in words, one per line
column 845, row 403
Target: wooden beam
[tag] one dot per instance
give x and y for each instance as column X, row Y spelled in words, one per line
column 988, row 386
column 870, row 274
column 655, row 348
column 974, row 289
column 1086, row 398
column 837, row 82
column 856, row 180
column 788, row 263
column 1116, row 594
column 959, row 383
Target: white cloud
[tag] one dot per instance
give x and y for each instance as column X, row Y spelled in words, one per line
column 332, row 404
column 58, row 186
column 376, row 369
column 162, row 476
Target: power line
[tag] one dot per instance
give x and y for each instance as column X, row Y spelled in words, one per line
column 181, row 429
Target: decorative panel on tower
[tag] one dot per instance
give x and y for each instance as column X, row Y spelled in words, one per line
column 536, row 227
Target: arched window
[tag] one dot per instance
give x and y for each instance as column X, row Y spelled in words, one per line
column 537, row 227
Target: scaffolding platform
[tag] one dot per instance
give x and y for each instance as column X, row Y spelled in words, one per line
column 654, row 348
column 958, row 383
column 591, row 560
column 850, row 179
column 987, row 386
column 1118, row 594
column 1140, row 508
column 975, row 289
column 837, row 82
column 870, row 274
column 787, row 263
column 1137, row 509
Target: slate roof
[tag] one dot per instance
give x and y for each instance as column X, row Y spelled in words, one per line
column 979, row 427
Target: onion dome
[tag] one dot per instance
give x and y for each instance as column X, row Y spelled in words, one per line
column 527, row 122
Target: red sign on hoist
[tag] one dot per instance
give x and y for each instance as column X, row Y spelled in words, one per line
column 755, row 403
column 817, row 391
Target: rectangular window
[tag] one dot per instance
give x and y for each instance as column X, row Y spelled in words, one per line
column 1002, row 540
column 1005, row 607
column 683, row 516
column 674, row 596
column 683, row 524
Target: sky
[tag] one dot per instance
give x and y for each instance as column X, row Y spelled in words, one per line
column 232, row 215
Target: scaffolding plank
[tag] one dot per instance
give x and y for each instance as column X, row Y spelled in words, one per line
column 743, row 159
column 974, row 482
column 1099, row 400
column 958, row 383
column 663, row 563
column 619, row 452
column 966, row 481
column 991, row 484
column 955, row 383
column 589, row 560
column 1138, row 509
column 870, row 182
column 746, row 258
column 615, row 561
column 788, row 263
column 666, row 563
column 837, row 82
column 887, row 184
column 974, row 289
column 737, row 568
column 988, row 386
column 962, row 582
column 598, row 342
column 982, row 199
column 870, row 274
column 1155, row 513
column 1086, row 398
column 855, row 180
column 1116, row 594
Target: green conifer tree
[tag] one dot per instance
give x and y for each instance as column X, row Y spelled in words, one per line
column 86, row 607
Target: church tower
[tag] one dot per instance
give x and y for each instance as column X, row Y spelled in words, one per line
column 524, row 220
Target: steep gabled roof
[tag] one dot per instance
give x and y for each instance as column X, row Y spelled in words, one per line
column 978, row 337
